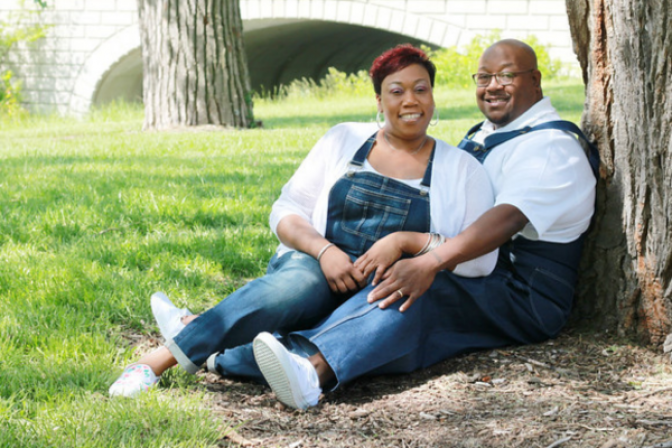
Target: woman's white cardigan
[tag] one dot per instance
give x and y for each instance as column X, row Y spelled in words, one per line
column 460, row 190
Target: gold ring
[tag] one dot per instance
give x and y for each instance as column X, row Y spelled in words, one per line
column 401, row 294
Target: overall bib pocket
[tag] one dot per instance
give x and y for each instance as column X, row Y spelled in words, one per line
column 372, row 214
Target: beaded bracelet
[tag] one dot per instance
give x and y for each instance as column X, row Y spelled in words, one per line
column 323, row 250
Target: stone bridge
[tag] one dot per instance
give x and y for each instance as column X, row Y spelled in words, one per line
column 92, row 52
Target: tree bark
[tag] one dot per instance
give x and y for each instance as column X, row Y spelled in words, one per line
column 195, row 69
column 624, row 48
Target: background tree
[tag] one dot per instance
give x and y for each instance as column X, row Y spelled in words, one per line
column 624, row 49
column 195, row 69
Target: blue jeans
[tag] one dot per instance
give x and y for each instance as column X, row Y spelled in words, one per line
column 293, row 295
column 456, row 315
column 363, row 207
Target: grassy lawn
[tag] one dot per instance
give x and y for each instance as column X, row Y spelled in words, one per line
column 97, row 215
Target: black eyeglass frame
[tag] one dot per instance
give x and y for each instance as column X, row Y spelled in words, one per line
column 498, row 77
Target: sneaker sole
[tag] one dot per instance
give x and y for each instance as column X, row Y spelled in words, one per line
column 272, row 360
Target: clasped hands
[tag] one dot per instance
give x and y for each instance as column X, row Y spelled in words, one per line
column 394, row 279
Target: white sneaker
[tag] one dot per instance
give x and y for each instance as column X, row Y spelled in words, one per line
column 293, row 378
column 168, row 316
column 136, row 378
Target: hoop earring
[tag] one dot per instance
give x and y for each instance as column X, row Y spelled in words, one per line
column 378, row 121
column 436, row 115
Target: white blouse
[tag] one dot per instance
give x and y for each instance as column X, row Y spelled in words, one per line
column 460, row 190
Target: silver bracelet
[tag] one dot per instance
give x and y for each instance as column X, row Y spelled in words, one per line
column 323, row 250
column 424, row 248
column 434, row 241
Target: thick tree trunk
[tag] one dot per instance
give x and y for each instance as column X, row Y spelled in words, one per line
column 624, row 47
column 195, row 70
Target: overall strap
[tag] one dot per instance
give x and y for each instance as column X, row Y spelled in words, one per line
column 360, row 156
column 427, row 179
column 474, row 129
column 362, row 153
column 495, row 139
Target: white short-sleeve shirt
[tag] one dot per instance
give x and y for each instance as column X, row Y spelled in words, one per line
column 545, row 174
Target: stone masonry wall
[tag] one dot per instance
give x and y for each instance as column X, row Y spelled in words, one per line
column 87, row 37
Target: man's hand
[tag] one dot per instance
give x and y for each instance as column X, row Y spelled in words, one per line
column 406, row 279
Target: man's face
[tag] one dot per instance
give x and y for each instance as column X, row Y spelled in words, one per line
column 503, row 104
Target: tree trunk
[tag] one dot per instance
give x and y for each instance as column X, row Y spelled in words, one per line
column 624, row 47
column 195, row 70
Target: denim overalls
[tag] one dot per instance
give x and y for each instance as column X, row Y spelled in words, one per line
column 363, row 207
column 526, row 299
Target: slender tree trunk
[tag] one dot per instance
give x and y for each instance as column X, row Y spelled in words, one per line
column 624, row 47
column 195, row 70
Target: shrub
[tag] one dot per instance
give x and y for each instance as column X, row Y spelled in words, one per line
column 454, row 68
column 9, row 95
column 15, row 29
column 334, row 83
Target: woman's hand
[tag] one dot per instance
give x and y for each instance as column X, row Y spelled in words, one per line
column 340, row 271
column 406, row 279
column 379, row 257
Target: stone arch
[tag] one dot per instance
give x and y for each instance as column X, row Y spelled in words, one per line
column 283, row 43
column 421, row 27
column 115, row 56
column 286, row 40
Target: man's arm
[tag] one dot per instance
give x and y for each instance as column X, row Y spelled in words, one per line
column 494, row 228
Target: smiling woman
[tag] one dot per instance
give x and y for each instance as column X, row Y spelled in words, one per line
column 405, row 98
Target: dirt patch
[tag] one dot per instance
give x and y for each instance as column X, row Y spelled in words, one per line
column 579, row 390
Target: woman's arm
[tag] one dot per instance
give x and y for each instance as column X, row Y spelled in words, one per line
column 342, row 275
column 292, row 214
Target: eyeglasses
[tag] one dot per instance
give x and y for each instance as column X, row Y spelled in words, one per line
column 504, row 78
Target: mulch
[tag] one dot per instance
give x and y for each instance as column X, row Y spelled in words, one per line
column 580, row 390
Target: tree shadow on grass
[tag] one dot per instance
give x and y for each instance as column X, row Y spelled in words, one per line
column 306, row 120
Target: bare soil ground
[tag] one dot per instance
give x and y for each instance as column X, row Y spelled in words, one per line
column 580, row 390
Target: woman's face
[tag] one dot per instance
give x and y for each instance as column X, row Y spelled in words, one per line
column 406, row 100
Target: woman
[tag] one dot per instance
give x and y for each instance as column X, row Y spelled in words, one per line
column 358, row 185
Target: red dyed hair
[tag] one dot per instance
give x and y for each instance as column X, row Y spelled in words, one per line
column 398, row 58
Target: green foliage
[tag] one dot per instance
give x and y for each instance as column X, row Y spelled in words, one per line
column 334, row 84
column 454, row 67
column 10, row 95
column 18, row 28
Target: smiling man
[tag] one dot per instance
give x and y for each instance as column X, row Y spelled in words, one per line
column 508, row 82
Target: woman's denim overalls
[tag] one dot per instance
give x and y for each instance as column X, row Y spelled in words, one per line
column 293, row 295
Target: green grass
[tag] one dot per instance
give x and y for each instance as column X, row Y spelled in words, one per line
column 96, row 215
